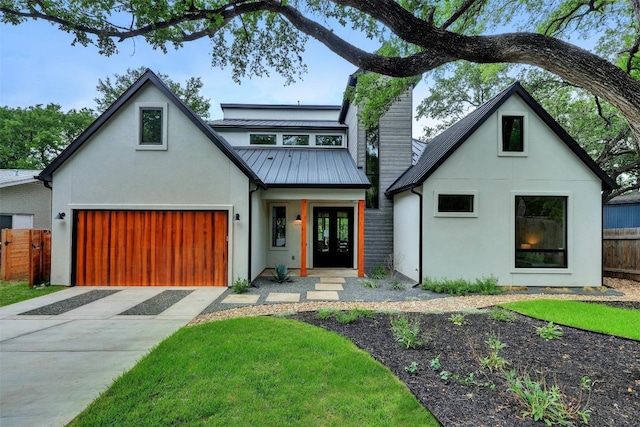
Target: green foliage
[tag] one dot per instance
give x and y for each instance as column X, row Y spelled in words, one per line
column 494, row 362
column 547, row 404
column 458, row 319
column 370, row 284
column 502, row 315
column 434, row 363
column 189, row 93
column 397, row 285
column 281, row 274
column 406, row 332
column 240, row 286
column 379, row 272
column 484, row 286
column 579, row 314
column 327, row 312
column 345, row 317
column 412, row 368
column 550, row 331
column 30, row 138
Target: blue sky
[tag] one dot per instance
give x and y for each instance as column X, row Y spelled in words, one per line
column 38, row 65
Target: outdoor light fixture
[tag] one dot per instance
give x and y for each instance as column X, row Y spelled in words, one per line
column 237, row 217
column 60, row 215
column 298, row 218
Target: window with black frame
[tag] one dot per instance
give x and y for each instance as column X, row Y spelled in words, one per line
column 279, row 227
column 372, row 168
column 541, row 232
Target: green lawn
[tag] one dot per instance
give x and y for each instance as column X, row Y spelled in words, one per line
column 11, row 293
column 257, row 372
column 592, row 317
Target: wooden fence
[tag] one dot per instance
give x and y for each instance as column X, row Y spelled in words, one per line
column 622, row 253
column 25, row 255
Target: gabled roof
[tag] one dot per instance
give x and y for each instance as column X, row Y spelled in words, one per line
column 150, row 78
column 630, row 197
column 304, row 167
column 11, row 177
column 275, row 124
column 438, row 150
column 417, row 148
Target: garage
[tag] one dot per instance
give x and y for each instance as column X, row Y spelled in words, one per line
column 150, row 248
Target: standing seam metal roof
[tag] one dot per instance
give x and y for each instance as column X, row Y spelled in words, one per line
column 304, row 167
column 268, row 124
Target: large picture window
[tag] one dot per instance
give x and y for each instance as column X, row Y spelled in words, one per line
column 541, row 232
column 279, row 226
column 372, row 169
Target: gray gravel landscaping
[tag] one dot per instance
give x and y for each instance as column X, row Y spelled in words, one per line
column 70, row 303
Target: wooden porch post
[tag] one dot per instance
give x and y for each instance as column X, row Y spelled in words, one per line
column 303, row 238
column 361, row 238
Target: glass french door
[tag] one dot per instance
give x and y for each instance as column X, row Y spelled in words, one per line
column 333, row 237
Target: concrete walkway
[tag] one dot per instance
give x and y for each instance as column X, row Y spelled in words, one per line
column 53, row 366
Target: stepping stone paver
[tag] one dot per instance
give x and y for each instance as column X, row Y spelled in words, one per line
column 332, row 280
column 283, row 297
column 241, row 299
column 329, row 287
column 323, row 295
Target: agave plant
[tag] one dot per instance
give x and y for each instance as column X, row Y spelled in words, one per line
column 281, row 275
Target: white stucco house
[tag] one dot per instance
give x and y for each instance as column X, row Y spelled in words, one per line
column 152, row 195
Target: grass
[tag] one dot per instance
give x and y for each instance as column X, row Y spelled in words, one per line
column 592, row 317
column 11, row 292
column 256, row 372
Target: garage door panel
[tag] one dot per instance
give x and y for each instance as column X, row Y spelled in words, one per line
column 155, row 248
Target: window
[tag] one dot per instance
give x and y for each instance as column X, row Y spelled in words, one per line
column 461, row 204
column 513, row 133
column 279, row 226
column 152, row 126
column 372, row 169
column 541, row 232
column 455, row 203
column 6, row 221
column 262, row 139
column 329, row 140
column 295, row 139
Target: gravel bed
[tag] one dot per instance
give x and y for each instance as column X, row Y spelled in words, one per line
column 157, row 304
column 70, row 303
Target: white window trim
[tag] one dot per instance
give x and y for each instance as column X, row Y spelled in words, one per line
column 278, row 139
column 525, row 136
column 512, row 233
column 473, row 214
column 165, row 126
column 286, row 215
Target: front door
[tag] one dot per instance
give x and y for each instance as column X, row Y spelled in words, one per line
column 333, row 237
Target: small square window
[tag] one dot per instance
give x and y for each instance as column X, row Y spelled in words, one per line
column 513, row 134
column 262, row 139
column 329, row 140
column 295, row 139
column 152, row 126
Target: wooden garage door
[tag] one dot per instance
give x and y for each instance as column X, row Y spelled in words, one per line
column 151, row 248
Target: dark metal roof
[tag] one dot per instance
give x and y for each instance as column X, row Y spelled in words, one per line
column 281, row 107
column 304, row 167
column 151, row 78
column 442, row 146
column 274, row 124
column 417, row 148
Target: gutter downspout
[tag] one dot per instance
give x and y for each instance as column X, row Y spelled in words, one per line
column 413, row 190
column 249, row 232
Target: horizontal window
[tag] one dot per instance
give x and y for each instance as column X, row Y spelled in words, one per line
column 329, row 140
column 262, row 139
column 456, row 204
column 295, row 139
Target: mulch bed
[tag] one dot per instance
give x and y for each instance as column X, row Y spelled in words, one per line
column 612, row 364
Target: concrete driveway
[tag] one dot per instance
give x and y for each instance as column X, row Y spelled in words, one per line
column 53, row 365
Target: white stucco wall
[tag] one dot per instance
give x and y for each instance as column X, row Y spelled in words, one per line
column 107, row 172
column 484, row 245
column 406, row 234
column 240, row 137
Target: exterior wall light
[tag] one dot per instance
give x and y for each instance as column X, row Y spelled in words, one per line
column 60, row 215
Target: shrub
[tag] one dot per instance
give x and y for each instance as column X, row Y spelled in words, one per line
column 494, row 362
column 502, row 315
column 406, row 332
column 396, row 285
column 370, row 284
column 281, row 274
column 379, row 272
column 353, row 315
column 240, row 286
column 412, row 368
column 460, row 287
column 326, row 313
column 550, row 331
column 458, row 319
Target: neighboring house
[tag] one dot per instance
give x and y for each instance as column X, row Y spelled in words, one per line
column 24, row 200
column 152, row 195
column 503, row 192
column 623, row 211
